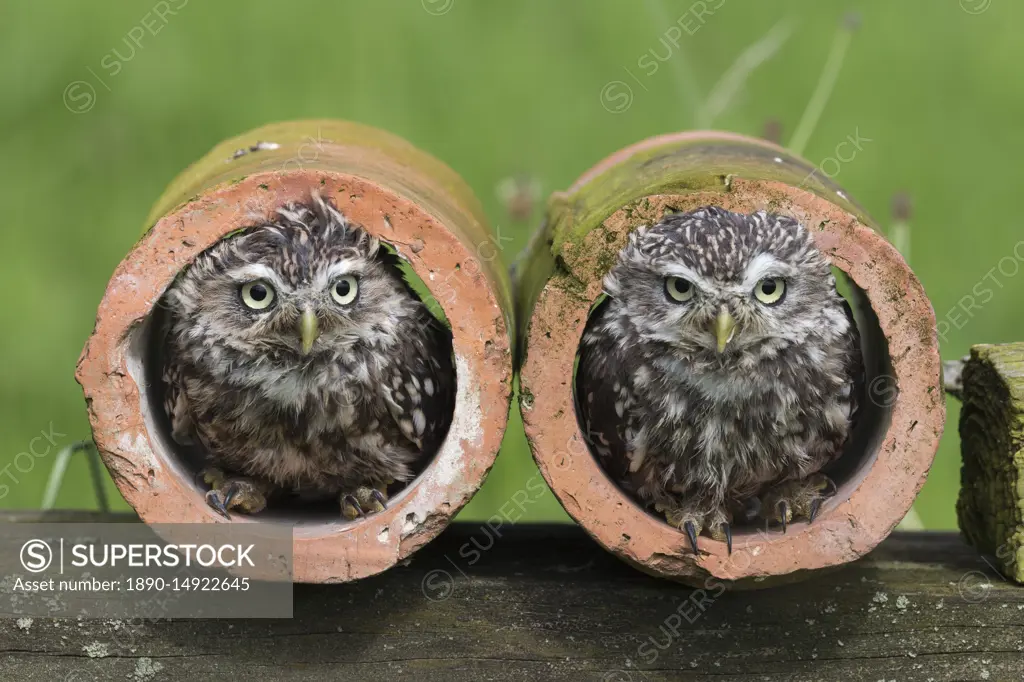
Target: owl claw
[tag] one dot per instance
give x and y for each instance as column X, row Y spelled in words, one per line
column 232, row 493
column 721, row 530
column 350, row 508
column 798, row 499
column 815, row 508
column 363, row 501
column 684, row 520
column 693, row 521
column 217, row 504
column 691, row 533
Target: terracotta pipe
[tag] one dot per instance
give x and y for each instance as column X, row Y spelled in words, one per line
column 407, row 198
column 559, row 279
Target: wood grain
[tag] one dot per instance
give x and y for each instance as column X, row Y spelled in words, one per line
column 545, row 602
column 990, row 508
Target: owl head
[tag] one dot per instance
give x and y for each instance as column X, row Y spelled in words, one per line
column 718, row 283
column 306, row 284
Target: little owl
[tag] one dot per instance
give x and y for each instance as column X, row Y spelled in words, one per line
column 723, row 371
column 299, row 361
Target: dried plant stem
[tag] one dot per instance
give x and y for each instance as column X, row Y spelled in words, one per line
column 60, row 468
column 735, row 77
column 899, row 235
column 826, row 83
column 682, row 69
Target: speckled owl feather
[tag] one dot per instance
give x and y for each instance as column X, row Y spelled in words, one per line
column 372, row 396
column 692, row 429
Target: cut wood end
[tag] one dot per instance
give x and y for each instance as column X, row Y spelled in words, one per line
column 991, row 501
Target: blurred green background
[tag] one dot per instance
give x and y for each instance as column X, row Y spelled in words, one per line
column 101, row 104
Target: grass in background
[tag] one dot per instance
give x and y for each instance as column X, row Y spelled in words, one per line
column 496, row 89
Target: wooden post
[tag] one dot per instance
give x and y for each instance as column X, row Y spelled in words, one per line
column 991, row 503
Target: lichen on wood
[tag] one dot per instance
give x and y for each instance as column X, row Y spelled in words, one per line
column 991, row 503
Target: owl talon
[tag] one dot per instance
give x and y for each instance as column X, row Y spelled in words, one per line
column 684, row 520
column 721, row 530
column 350, row 508
column 815, row 508
column 691, row 533
column 217, row 504
column 236, row 493
column 363, row 501
column 798, row 499
column 692, row 522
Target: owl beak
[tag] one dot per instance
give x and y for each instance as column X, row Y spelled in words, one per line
column 725, row 327
column 308, row 330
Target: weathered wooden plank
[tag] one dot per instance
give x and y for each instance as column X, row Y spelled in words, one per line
column 545, row 602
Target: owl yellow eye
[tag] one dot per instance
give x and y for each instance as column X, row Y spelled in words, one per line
column 257, row 295
column 344, row 290
column 770, row 290
column 678, row 289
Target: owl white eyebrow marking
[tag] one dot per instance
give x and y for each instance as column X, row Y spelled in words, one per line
column 761, row 266
column 254, row 271
column 345, row 266
column 677, row 270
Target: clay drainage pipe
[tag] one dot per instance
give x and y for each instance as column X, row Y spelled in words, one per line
column 559, row 279
column 412, row 202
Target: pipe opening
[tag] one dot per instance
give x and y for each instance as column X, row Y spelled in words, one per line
column 878, row 397
column 147, row 352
